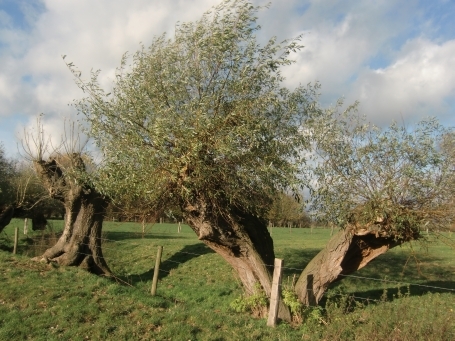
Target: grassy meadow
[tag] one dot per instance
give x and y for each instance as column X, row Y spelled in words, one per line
column 406, row 294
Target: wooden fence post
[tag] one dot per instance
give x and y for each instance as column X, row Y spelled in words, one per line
column 310, row 292
column 16, row 238
column 25, row 227
column 156, row 270
column 275, row 294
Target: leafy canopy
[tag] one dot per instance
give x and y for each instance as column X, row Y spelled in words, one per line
column 394, row 182
column 201, row 116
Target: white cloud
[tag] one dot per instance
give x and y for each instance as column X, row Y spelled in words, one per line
column 33, row 77
column 418, row 79
column 413, row 79
column 92, row 35
column 416, row 85
column 337, row 46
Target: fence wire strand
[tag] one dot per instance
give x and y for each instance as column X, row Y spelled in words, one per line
column 299, row 270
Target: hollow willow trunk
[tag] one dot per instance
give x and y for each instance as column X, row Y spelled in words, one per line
column 242, row 240
column 80, row 242
column 345, row 253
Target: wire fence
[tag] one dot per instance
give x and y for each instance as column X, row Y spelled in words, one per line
column 105, row 245
column 110, row 247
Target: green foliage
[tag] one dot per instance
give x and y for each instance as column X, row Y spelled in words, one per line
column 7, row 174
column 393, row 182
column 256, row 304
column 290, row 298
column 201, row 115
column 309, row 316
column 287, row 209
column 339, row 303
column 292, row 301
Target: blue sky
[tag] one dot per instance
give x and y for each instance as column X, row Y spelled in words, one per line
column 396, row 57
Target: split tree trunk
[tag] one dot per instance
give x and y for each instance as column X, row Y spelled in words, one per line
column 345, row 253
column 242, row 240
column 80, row 243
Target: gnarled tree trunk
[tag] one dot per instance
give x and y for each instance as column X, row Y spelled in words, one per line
column 80, row 243
column 243, row 240
column 345, row 253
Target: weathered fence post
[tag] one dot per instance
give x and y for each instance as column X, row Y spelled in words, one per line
column 179, row 227
column 156, row 270
column 25, row 227
column 275, row 294
column 309, row 289
column 16, row 238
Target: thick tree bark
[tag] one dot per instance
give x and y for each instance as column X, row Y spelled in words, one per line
column 80, row 242
column 345, row 253
column 243, row 240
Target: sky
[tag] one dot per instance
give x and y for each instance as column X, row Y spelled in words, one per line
column 397, row 58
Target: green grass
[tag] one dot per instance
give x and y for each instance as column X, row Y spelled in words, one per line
column 44, row 302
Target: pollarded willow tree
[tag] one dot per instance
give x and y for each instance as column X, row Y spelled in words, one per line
column 381, row 187
column 202, row 121
column 64, row 173
column 85, row 207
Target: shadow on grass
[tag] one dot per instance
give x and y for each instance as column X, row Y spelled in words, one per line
column 184, row 255
column 119, row 236
column 378, row 296
column 6, row 243
column 391, row 265
column 400, row 290
column 6, row 248
column 402, row 275
column 404, row 267
column 426, row 273
column 295, row 260
column 23, row 245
